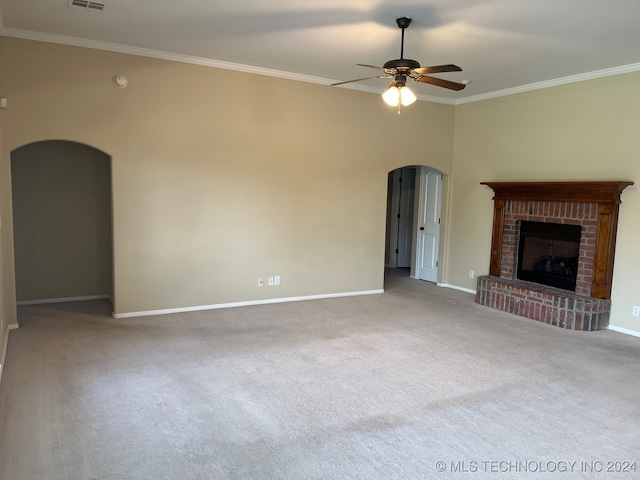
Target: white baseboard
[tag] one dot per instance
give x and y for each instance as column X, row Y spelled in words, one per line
column 624, row 330
column 5, row 343
column 64, row 299
column 3, row 352
column 455, row 287
column 446, row 285
column 243, row 304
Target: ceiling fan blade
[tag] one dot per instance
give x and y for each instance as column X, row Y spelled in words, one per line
column 370, row 66
column 437, row 69
column 360, row 80
column 441, row 83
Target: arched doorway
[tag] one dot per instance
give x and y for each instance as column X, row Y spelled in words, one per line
column 414, row 221
column 62, row 222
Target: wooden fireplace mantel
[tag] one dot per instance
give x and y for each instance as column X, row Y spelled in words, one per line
column 587, row 192
column 605, row 194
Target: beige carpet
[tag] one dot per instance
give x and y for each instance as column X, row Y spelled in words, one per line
column 374, row 387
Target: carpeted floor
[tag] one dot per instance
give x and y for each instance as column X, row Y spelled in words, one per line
column 377, row 387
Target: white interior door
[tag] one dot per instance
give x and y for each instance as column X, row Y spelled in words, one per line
column 405, row 216
column 429, row 210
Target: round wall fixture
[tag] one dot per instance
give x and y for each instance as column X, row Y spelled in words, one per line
column 120, row 81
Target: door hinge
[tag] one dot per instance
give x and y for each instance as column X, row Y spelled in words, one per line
column 436, row 263
column 398, row 215
column 396, row 250
column 438, row 221
column 400, row 180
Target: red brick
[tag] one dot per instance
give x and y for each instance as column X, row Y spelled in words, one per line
column 516, row 308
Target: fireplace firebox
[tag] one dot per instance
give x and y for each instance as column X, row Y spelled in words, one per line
column 548, row 254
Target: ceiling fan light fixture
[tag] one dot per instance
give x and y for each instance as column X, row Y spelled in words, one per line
column 395, row 96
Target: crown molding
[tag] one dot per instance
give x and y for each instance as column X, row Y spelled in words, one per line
column 159, row 54
column 238, row 67
column 607, row 72
column 205, row 62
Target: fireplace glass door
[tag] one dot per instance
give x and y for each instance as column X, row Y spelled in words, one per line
column 548, row 254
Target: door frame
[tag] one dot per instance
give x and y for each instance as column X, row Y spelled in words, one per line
column 392, row 221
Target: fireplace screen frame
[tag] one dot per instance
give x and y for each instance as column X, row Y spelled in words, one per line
column 557, row 266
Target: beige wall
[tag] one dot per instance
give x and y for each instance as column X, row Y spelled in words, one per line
column 582, row 131
column 61, row 196
column 221, row 177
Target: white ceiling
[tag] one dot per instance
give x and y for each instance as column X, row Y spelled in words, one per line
column 503, row 46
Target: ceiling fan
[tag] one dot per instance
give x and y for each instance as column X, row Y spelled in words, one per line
column 403, row 68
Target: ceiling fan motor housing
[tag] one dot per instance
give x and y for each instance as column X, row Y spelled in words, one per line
column 401, row 64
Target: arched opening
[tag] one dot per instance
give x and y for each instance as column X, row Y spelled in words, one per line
column 414, row 222
column 62, row 222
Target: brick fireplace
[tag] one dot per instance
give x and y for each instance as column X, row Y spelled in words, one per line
column 593, row 206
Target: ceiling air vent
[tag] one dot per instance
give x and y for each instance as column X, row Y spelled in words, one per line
column 87, row 4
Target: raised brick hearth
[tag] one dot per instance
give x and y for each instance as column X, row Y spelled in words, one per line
column 591, row 205
column 544, row 304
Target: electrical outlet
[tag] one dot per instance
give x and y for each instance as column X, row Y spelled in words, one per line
column 276, row 280
column 472, row 274
column 636, row 311
column 270, row 281
column 261, row 282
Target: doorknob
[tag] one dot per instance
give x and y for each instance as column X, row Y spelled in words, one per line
column 421, row 228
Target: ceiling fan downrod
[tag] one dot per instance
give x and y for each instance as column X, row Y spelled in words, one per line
column 403, row 64
column 402, row 22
